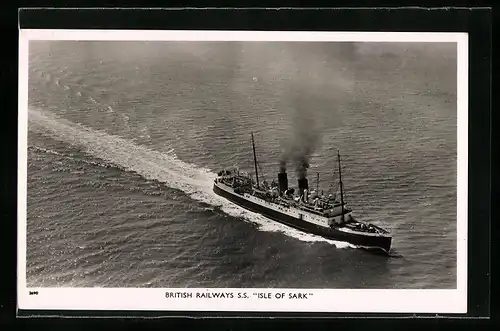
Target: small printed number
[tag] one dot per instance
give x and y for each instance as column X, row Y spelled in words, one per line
column 33, row 292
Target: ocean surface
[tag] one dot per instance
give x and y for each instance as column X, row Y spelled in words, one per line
column 125, row 139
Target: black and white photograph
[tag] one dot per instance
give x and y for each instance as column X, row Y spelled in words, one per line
column 260, row 171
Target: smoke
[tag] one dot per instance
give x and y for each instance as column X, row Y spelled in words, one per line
column 307, row 80
column 305, row 137
column 302, row 149
column 282, row 163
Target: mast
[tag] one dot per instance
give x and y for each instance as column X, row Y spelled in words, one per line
column 317, row 184
column 255, row 161
column 341, row 188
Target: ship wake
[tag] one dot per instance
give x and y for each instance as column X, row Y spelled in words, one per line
column 154, row 165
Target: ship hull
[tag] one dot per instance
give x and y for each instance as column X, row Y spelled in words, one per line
column 380, row 243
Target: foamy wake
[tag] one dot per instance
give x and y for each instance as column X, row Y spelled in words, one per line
column 153, row 165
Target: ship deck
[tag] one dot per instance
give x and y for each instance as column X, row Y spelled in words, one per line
column 296, row 219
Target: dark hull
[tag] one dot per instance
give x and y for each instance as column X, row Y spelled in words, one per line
column 365, row 241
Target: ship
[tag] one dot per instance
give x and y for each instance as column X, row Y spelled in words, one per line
column 300, row 207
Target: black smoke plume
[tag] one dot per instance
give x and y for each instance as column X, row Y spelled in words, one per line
column 313, row 77
column 304, row 139
column 282, row 164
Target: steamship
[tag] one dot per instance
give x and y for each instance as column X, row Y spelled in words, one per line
column 303, row 209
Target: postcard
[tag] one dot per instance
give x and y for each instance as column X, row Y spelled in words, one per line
column 255, row 171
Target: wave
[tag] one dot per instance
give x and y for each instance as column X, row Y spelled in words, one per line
column 45, row 150
column 154, row 165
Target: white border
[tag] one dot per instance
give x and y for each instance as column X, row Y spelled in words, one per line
column 321, row 300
